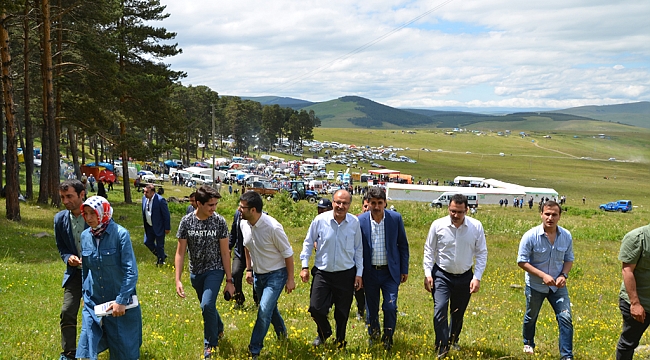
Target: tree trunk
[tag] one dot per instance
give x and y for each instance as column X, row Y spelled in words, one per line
column 12, row 190
column 28, row 149
column 72, row 140
column 50, row 163
column 46, row 153
column 95, row 142
column 83, row 148
column 125, row 168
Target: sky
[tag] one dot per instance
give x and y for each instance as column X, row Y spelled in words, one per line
column 418, row 54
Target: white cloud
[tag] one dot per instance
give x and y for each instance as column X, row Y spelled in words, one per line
column 529, row 54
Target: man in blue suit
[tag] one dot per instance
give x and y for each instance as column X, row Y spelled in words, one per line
column 155, row 215
column 68, row 225
column 385, row 263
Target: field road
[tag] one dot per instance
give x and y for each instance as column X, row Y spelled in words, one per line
column 536, row 143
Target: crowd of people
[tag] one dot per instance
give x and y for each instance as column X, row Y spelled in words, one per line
column 364, row 256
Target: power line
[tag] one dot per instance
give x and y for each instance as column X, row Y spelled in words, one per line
column 359, row 49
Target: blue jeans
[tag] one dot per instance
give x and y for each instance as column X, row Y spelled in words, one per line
column 561, row 304
column 207, row 289
column 374, row 282
column 268, row 287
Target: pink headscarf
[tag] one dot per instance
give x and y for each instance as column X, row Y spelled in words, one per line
column 103, row 210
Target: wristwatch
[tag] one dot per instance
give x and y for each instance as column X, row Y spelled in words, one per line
column 566, row 276
column 229, row 280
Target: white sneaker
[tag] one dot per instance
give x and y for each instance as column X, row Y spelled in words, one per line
column 529, row 349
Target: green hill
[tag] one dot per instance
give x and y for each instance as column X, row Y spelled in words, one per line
column 354, row 111
column 635, row 114
column 282, row 101
column 358, row 112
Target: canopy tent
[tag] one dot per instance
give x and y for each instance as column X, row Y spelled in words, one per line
column 104, row 164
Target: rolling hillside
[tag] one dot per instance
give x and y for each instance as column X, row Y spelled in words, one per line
column 354, row 111
column 282, row 101
column 635, row 114
column 358, row 112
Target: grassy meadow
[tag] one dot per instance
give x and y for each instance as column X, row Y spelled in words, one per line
column 31, row 296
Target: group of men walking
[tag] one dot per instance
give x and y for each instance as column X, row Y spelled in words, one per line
column 369, row 251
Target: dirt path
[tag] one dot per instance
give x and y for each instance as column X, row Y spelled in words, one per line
column 557, row 151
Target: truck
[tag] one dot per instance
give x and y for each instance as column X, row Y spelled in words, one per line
column 445, row 198
column 298, row 191
column 264, row 188
column 620, row 206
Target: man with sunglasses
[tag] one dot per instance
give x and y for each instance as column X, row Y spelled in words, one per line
column 453, row 243
column 338, row 266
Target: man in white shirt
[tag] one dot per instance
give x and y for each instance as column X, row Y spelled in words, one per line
column 269, row 267
column 338, row 266
column 453, row 243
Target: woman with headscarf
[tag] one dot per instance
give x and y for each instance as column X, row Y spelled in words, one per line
column 109, row 273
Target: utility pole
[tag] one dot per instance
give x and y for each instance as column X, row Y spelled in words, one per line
column 214, row 154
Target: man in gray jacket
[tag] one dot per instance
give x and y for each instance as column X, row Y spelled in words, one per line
column 68, row 225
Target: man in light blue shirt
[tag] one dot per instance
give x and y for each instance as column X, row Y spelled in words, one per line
column 338, row 266
column 546, row 254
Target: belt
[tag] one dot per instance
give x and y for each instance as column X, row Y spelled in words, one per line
column 380, row 267
column 452, row 274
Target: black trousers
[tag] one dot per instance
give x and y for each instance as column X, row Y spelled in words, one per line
column 631, row 334
column 450, row 299
column 69, row 311
column 238, row 274
column 327, row 289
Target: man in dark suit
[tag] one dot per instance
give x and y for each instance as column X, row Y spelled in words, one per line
column 68, row 225
column 385, row 263
column 156, row 218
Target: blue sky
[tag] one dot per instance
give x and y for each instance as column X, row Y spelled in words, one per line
column 497, row 54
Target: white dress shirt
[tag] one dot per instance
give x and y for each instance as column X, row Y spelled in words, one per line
column 147, row 211
column 267, row 244
column 454, row 249
column 339, row 245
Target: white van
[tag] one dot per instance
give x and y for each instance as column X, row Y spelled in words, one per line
column 443, row 200
column 202, row 179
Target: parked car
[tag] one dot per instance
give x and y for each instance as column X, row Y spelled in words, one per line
column 620, row 206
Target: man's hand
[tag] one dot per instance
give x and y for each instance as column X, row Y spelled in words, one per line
column 118, row 309
column 291, row 284
column 428, row 283
column 548, row 280
column 404, row 277
column 249, row 277
column 358, row 283
column 304, row 275
column 166, row 231
column 74, row 260
column 560, row 281
column 179, row 289
column 637, row 312
column 474, row 286
column 230, row 288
